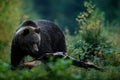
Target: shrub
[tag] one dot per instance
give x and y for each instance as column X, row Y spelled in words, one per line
column 94, row 39
column 9, row 19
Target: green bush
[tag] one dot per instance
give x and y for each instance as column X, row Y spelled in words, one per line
column 59, row 70
column 94, row 39
column 9, row 19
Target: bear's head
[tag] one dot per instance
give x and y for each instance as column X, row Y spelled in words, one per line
column 28, row 39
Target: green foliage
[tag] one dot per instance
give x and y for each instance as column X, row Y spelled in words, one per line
column 94, row 42
column 59, row 70
column 9, row 19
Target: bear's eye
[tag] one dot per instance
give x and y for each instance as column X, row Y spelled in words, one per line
column 25, row 32
column 34, row 42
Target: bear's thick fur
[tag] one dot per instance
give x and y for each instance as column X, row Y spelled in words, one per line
column 35, row 38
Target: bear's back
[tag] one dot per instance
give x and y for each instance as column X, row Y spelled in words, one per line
column 47, row 26
column 52, row 34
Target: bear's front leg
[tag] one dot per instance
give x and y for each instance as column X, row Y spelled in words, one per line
column 16, row 59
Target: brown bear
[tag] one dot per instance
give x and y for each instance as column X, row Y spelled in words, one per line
column 36, row 38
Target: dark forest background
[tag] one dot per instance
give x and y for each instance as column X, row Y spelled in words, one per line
column 65, row 12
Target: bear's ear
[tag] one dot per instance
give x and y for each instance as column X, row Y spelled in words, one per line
column 25, row 32
column 29, row 23
column 37, row 30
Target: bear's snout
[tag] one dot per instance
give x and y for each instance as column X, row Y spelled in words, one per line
column 35, row 48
